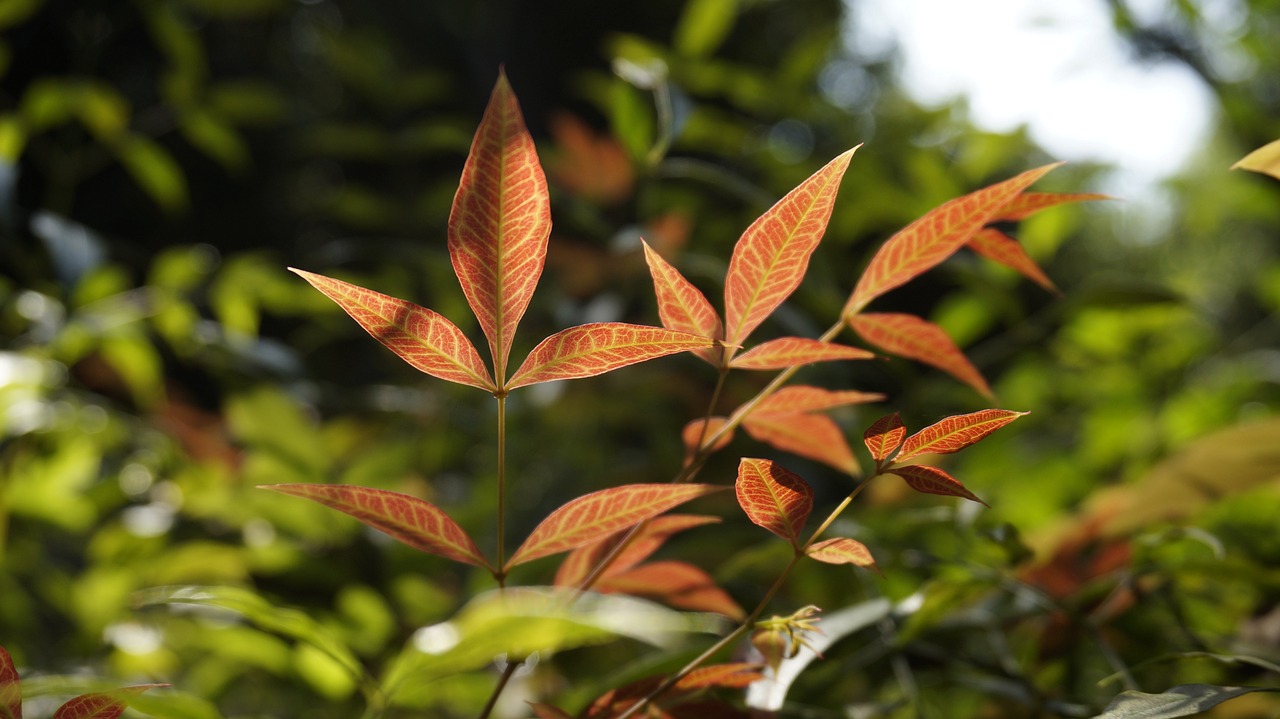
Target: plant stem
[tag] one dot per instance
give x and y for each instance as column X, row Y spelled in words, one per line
column 508, row 672
column 501, row 571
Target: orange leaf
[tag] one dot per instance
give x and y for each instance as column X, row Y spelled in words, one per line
column 678, row 584
column 594, row 516
column 500, row 222
column 932, row 480
column 996, row 245
column 843, row 551
column 416, row 522
column 815, row 436
column 547, row 711
column 735, row 675
column 884, row 436
column 423, row 338
column 955, row 433
column 774, row 497
column 772, row 256
column 579, row 563
column 794, row 351
column 799, row 399
column 694, row 435
column 1027, row 204
column 682, row 307
column 10, row 686
column 593, row 349
column 934, row 237
column 100, row 706
column 914, row 338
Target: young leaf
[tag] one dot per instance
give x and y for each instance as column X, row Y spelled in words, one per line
column 736, row 675
column 914, row 338
column 884, row 436
column 500, row 222
column 815, row 436
column 100, row 706
column 934, row 237
column 799, row 399
column 10, row 688
column 999, row 247
column 579, row 563
column 677, row 584
column 593, row 349
column 932, row 480
column 416, row 522
column 697, row 432
column 682, row 307
column 548, row 711
column 1027, row 204
column 1264, row 160
column 955, row 433
column 595, row 516
column 793, row 352
column 772, row 256
column 423, row 338
column 774, row 497
column 843, row 551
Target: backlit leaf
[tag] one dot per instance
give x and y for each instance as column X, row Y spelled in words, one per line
column 774, row 497
column 10, row 687
column 996, row 245
column 931, row 480
column 682, row 306
column 1265, row 159
column 597, row 515
column 579, row 563
column 772, row 256
column 799, row 399
column 1027, row 204
column 843, row 551
column 414, row 521
column 884, row 436
column 500, row 222
column 815, row 436
column 593, row 349
column 421, row 337
column 697, row 432
column 934, row 237
column 100, row 706
column 956, row 432
column 793, row 352
column 914, row 338
column 677, row 584
column 735, row 675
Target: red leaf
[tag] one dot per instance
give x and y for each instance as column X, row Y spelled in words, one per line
column 774, row 497
column 999, row 247
column 884, row 436
column 815, row 436
column 593, row 349
column 10, row 687
column 955, row 433
column 772, row 256
column 934, row 237
column 735, row 676
column 914, row 338
column 547, row 711
column 655, row 533
column 678, row 584
column 100, row 706
column 595, row 516
column 799, row 399
column 843, row 551
column 423, row 338
column 932, row 480
column 500, row 222
column 794, row 351
column 694, row 435
column 1027, row 204
column 416, row 522
column 682, row 307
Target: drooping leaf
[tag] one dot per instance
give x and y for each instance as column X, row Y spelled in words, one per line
column 579, row 563
column 956, row 432
column 548, row 711
column 884, row 436
column 774, row 497
column 500, row 222
column 423, row 338
column 595, row 516
column 10, row 688
column 674, row 583
column 934, row 237
column 793, row 352
column 815, row 436
column 999, row 247
column 1027, row 204
column 416, row 522
column 914, row 338
column 101, row 706
column 1265, row 159
column 843, row 551
column 931, row 480
column 696, row 433
column 1180, row 701
column 735, row 675
column 682, row 306
column 593, row 349
column 800, row 399
column 772, row 256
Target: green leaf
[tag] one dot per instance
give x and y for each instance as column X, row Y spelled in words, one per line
column 703, row 26
column 13, row 12
column 216, row 138
column 155, row 171
column 1180, row 701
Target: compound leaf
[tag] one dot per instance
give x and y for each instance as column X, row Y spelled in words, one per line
column 774, row 497
column 682, row 306
column 593, row 349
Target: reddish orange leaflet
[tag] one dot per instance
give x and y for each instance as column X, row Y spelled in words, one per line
column 737, row 674
column 674, row 583
column 548, row 711
column 593, row 349
column 999, row 247
column 682, row 306
column 843, row 551
column 774, row 497
column 884, row 436
column 10, row 686
column 931, row 480
column 793, row 352
column 914, row 338
column 696, row 434
column 100, row 705
column 955, row 433
column 815, row 436
column 1027, row 204
column 798, row 399
column 579, row 563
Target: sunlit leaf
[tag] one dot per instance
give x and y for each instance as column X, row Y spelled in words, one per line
column 815, row 436
column 1265, row 159
column 10, row 687
column 931, row 480
column 597, row 515
column 799, row 399
column 884, row 436
column 593, row 349
column 500, row 222
column 774, row 497
column 155, row 171
column 956, row 432
column 914, row 338
column 703, row 26
column 423, row 338
column 843, row 551
column 101, row 706
column 1027, row 204
column 1180, row 701
column 999, row 247
column 414, row 521
column 548, row 711
column 735, row 675
column 771, row 258
column 696, row 433
column 793, row 352
column 934, row 237
column 682, row 306
column 579, row 563
column 674, row 583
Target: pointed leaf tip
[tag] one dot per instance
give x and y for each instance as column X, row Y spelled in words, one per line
column 843, row 551
column 593, row 349
column 773, row 497
column 918, row 339
column 931, row 480
column 956, row 432
column 884, row 436
column 681, row 306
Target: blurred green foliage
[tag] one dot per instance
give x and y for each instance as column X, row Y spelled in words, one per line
column 163, row 161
